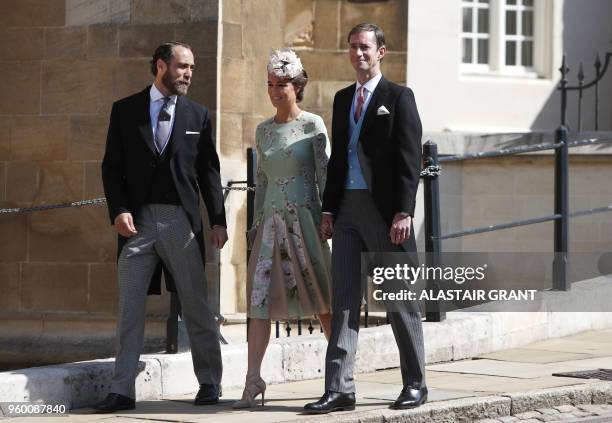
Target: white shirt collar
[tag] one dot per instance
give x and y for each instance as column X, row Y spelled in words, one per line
column 157, row 95
column 370, row 85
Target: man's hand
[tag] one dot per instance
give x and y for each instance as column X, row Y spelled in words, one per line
column 327, row 226
column 400, row 228
column 124, row 223
column 218, row 236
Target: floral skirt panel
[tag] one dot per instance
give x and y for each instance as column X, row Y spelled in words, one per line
column 288, row 274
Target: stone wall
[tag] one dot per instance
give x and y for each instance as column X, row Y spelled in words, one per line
column 64, row 63
column 317, row 30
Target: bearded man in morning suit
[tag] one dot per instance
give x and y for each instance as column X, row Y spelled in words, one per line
column 160, row 154
column 368, row 205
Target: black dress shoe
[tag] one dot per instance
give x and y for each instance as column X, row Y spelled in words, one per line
column 208, row 394
column 115, row 402
column 410, row 398
column 331, row 401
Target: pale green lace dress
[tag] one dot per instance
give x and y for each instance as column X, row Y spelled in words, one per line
column 289, row 268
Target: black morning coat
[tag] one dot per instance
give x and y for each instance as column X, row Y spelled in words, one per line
column 389, row 151
column 130, row 160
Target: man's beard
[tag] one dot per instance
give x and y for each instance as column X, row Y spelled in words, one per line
column 175, row 87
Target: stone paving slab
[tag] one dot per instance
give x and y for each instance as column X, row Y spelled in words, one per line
column 591, row 347
column 526, row 355
column 502, row 368
column 496, row 384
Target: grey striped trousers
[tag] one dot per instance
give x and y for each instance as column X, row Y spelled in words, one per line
column 164, row 233
column 360, row 227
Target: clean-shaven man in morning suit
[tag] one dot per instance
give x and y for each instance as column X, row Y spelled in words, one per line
column 368, row 205
column 160, row 154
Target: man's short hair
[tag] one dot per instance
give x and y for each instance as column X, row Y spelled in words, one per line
column 366, row 27
column 165, row 52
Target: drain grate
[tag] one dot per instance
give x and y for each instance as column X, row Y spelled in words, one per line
column 602, row 374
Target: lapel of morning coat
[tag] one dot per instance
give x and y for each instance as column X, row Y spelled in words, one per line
column 143, row 117
column 344, row 108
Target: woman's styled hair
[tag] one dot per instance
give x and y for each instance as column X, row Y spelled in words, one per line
column 299, row 83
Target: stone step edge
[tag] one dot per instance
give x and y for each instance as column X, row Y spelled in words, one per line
column 462, row 335
column 477, row 408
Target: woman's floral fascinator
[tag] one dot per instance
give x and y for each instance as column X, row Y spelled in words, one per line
column 284, row 63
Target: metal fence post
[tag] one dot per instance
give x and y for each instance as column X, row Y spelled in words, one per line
column 251, row 175
column 176, row 333
column 433, row 246
column 560, row 262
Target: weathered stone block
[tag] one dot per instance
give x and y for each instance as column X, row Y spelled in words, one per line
column 141, row 40
column 92, row 185
column 60, row 181
column 328, row 66
column 584, row 231
column 177, row 374
column 303, row 357
column 233, row 86
column 257, row 38
column 13, row 228
column 590, row 180
column 326, row 35
column 501, row 207
column 549, row 398
column 103, row 289
column 232, row 11
column 311, row 96
column 207, row 10
column 64, row 286
column 5, row 138
column 102, row 41
column 65, row 43
column 120, row 78
column 391, row 16
column 202, row 37
column 39, row 383
column 156, row 12
column 232, row 41
column 328, row 90
column 34, row 13
column 76, row 235
column 90, row 12
column 533, row 179
column 2, row 181
column 469, row 409
column 231, row 135
column 203, row 87
column 22, row 95
column 87, row 137
column 39, row 138
column 69, row 87
column 258, row 99
column 394, row 68
column 9, row 285
column 21, row 182
column 299, row 16
column 249, row 126
column 21, row 43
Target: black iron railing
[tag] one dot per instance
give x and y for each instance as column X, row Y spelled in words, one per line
column 561, row 216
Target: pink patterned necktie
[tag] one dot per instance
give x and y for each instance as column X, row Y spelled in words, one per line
column 360, row 101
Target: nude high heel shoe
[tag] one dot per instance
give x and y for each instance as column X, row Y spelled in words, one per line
column 253, row 387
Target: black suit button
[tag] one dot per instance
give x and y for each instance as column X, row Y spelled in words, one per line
column 152, row 164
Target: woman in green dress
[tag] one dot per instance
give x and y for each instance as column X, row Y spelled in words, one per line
column 288, row 274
